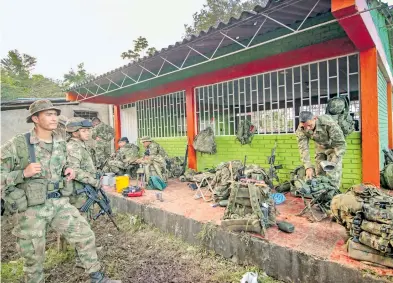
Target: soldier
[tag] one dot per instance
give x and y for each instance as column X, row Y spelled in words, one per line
column 32, row 169
column 102, row 134
column 127, row 154
column 154, row 160
column 61, row 129
column 329, row 141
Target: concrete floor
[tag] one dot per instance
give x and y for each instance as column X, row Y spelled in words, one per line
column 325, row 239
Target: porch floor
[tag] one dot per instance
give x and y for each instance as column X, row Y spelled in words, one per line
column 325, row 239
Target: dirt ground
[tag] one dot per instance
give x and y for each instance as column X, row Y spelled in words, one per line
column 138, row 253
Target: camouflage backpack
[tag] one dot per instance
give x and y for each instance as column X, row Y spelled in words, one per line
column 367, row 214
column 386, row 175
column 245, row 132
column 250, row 208
column 338, row 109
column 204, row 142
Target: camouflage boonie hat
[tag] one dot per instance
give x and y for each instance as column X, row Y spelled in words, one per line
column 77, row 123
column 62, row 120
column 41, row 105
column 145, row 139
column 336, row 106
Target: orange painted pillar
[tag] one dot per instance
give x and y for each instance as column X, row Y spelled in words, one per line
column 390, row 122
column 117, row 124
column 369, row 115
column 190, row 112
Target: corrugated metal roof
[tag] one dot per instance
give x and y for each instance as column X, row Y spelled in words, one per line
column 280, row 13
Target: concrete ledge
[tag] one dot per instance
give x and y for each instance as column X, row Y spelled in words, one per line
column 279, row 262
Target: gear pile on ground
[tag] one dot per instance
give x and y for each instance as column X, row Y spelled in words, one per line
column 204, row 142
column 225, row 174
column 176, row 167
column 250, row 208
column 367, row 214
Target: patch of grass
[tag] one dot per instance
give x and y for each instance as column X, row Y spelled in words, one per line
column 130, row 223
column 12, row 271
column 54, row 258
column 207, row 233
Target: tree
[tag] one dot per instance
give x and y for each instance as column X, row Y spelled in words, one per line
column 216, row 11
column 76, row 77
column 17, row 64
column 141, row 49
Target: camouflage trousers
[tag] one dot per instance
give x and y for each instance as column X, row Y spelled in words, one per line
column 102, row 152
column 65, row 219
column 114, row 166
column 334, row 175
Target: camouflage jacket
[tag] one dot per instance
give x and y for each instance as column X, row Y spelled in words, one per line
column 51, row 156
column 155, row 149
column 127, row 154
column 103, row 131
column 79, row 159
column 61, row 131
column 327, row 135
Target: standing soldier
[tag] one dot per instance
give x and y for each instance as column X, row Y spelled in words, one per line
column 125, row 155
column 329, row 141
column 32, row 169
column 61, row 127
column 102, row 134
column 154, row 160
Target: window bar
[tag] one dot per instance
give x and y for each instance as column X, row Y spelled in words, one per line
column 319, row 88
column 239, row 97
column 271, row 103
column 218, row 109
column 159, row 101
column 203, row 107
column 184, row 113
column 151, row 134
column 244, row 98
column 348, row 86
column 197, row 112
column 285, row 102
column 146, row 121
column 176, row 115
column 153, row 101
column 225, row 119
column 258, row 114
column 301, row 87
column 172, row 99
column 233, row 107
column 147, row 117
column 251, row 100
column 208, row 106
column 264, row 104
column 277, row 102
column 338, row 76
column 162, row 117
column 293, row 100
column 328, row 79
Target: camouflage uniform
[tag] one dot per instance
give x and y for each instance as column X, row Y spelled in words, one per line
column 330, row 145
column 103, row 146
column 61, row 129
column 55, row 211
column 155, row 160
column 123, row 158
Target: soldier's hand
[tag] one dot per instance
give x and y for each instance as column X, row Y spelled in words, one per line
column 98, row 139
column 32, row 169
column 309, row 173
column 70, row 173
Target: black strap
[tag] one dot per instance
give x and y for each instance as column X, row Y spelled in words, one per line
column 30, row 148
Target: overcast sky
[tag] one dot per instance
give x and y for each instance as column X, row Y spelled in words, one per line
column 61, row 34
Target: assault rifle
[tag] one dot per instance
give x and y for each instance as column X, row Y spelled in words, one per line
column 97, row 196
column 185, row 161
column 240, row 173
column 272, row 170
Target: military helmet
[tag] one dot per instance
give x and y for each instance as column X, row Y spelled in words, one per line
column 336, row 106
column 76, row 123
column 41, row 105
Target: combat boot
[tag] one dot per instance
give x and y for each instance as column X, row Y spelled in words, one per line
column 99, row 277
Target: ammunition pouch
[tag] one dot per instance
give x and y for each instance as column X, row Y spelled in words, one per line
column 15, row 200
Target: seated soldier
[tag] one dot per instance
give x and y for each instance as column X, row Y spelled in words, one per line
column 123, row 159
column 154, row 159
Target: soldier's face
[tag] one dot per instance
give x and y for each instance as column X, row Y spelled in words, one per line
column 95, row 123
column 122, row 143
column 146, row 144
column 84, row 134
column 46, row 120
column 309, row 125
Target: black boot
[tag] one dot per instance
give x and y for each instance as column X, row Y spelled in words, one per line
column 99, row 277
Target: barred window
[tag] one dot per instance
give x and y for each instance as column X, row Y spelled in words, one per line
column 162, row 116
column 272, row 101
column 85, row 114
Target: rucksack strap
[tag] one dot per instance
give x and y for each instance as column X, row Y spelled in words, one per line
column 30, row 148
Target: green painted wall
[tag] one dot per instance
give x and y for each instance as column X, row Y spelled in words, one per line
column 383, row 32
column 382, row 116
column 173, row 146
column 287, row 154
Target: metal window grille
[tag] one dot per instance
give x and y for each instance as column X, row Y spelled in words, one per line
column 272, row 101
column 85, row 114
column 162, row 116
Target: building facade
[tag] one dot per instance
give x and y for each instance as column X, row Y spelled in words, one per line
column 265, row 66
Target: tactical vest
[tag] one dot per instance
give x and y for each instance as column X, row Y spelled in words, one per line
column 367, row 214
column 344, row 119
column 250, row 208
column 33, row 191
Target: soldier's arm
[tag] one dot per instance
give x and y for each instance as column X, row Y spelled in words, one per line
column 74, row 161
column 9, row 158
column 108, row 133
column 337, row 139
column 304, row 148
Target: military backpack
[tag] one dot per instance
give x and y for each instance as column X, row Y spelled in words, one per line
column 245, row 132
column 204, row 142
column 338, row 109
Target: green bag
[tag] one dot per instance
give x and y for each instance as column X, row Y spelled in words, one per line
column 156, row 183
column 15, row 200
column 286, row 226
column 245, row 132
column 204, row 142
column 338, row 109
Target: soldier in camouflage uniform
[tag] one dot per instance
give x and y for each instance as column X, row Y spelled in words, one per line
column 154, row 160
column 120, row 161
column 102, row 135
column 38, row 192
column 61, row 130
column 329, row 141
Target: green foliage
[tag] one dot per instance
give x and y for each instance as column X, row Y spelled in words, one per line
column 77, row 77
column 215, row 11
column 18, row 64
column 141, row 48
column 12, row 271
